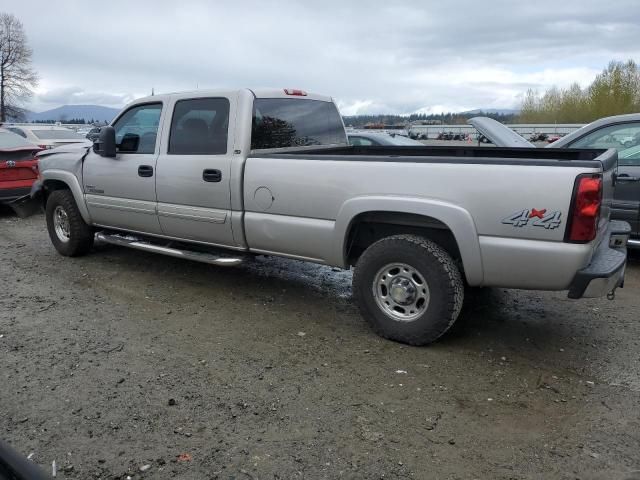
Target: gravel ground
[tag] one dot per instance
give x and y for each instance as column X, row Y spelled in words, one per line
column 126, row 364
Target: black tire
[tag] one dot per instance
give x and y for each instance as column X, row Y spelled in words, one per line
column 80, row 235
column 433, row 266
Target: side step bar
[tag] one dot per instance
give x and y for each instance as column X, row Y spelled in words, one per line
column 633, row 243
column 132, row 242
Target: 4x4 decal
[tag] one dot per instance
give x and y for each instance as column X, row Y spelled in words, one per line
column 535, row 218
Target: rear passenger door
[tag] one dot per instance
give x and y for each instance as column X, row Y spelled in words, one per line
column 194, row 171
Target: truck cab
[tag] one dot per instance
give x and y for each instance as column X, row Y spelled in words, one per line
column 177, row 169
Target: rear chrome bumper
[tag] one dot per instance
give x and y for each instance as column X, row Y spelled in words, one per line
column 605, row 273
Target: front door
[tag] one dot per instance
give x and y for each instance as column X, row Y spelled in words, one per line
column 120, row 192
column 194, row 172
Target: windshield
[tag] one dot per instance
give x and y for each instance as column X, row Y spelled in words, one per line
column 287, row 122
column 58, row 134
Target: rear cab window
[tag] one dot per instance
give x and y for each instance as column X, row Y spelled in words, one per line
column 288, row 122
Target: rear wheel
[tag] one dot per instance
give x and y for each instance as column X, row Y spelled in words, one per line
column 69, row 233
column 408, row 289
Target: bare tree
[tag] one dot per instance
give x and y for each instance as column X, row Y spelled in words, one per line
column 17, row 78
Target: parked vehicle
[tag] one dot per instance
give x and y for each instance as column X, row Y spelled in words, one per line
column 18, row 166
column 47, row 136
column 173, row 175
column 418, row 135
column 368, row 139
column 83, row 130
column 610, row 132
column 93, row 134
column 539, row 137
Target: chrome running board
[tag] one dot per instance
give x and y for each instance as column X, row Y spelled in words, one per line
column 138, row 244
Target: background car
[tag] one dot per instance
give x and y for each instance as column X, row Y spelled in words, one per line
column 365, row 139
column 93, row 134
column 47, row 136
column 18, row 166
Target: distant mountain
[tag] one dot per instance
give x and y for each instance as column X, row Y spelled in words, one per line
column 68, row 112
column 494, row 111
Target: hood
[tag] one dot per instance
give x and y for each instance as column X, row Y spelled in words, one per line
column 80, row 148
column 498, row 134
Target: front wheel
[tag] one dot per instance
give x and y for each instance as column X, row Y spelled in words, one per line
column 408, row 288
column 69, row 233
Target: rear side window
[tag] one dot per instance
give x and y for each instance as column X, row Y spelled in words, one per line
column 199, row 127
column 287, row 122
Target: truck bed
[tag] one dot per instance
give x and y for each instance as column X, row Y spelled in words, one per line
column 586, row 158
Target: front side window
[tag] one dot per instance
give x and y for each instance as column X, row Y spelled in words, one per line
column 286, row 122
column 199, row 127
column 624, row 137
column 137, row 129
column 629, row 156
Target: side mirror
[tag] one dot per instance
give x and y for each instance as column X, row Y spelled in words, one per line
column 105, row 146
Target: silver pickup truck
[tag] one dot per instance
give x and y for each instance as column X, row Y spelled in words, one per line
column 217, row 176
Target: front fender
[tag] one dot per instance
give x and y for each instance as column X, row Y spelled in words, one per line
column 457, row 219
column 74, row 185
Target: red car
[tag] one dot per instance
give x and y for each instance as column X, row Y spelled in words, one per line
column 18, row 166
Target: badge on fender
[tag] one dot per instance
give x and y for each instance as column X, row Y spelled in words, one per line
column 535, row 218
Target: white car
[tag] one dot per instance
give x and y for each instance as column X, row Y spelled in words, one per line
column 47, row 136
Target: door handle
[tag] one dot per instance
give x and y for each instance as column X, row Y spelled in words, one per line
column 145, row 171
column 211, row 175
column 623, row 177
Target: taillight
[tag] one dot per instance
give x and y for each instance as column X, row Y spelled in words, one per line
column 585, row 209
column 298, row 93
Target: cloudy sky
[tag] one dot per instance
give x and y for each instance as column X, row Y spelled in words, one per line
column 372, row 56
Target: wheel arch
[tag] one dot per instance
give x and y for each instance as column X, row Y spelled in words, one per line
column 60, row 179
column 447, row 224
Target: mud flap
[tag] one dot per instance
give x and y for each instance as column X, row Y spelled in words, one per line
column 30, row 204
